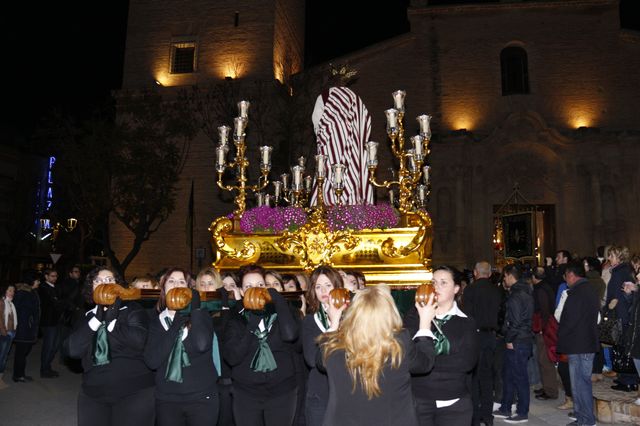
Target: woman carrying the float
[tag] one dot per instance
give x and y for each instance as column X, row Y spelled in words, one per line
column 316, row 322
column 443, row 397
column 259, row 344
column 179, row 348
column 117, row 387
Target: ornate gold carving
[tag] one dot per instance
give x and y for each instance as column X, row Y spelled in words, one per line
column 388, row 247
column 223, row 225
column 314, row 244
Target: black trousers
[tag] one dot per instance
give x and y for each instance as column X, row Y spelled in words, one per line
column 498, row 360
column 225, row 418
column 131, row 410
column 458, row 414
column 563, row 372
column 202, row 412
column 20, row 358
column 274, row 410
column 598, row 361
column 483, row 377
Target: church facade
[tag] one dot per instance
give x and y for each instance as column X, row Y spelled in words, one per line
column 539, row 99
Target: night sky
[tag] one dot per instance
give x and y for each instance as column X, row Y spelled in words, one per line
column 68, row 55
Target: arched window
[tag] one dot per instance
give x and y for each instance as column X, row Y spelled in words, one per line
column 515, row 74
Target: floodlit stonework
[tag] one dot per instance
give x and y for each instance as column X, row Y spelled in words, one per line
column 572, row 143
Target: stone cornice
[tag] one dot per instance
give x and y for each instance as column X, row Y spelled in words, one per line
column 466, row 8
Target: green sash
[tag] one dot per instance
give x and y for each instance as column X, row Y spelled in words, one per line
column 442, row 344
column 263, row 360
column 322, row 317
column 101, row 353
column 178, row 358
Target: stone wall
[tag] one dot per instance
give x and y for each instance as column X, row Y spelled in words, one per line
column 582, row 73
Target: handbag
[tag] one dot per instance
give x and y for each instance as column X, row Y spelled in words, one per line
column 622, row 360
column 610, row 327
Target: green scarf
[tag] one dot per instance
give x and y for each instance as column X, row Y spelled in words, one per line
column 101, row 353
column 178, row 358
column 442, row 344
column 322, row 317
column 263, row 360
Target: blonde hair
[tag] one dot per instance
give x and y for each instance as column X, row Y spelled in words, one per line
column 145, row 279
column 367, row 334
column 211, row 272
column 621, row 252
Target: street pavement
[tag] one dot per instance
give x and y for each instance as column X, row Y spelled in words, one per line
column 52, row 402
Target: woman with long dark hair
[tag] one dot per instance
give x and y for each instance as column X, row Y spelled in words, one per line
column 315, row 323
column 117, row 386
column 180, row 349
column 443, row 397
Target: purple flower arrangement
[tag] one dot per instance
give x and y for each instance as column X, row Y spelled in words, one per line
column 357, row 217
column 354, row 217
column 272, row 219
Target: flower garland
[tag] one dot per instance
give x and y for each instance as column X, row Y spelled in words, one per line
column 272, row 219
column 354, row 217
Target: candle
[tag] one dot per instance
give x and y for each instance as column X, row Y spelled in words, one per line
column 308, row 184
column 372, row 153
column 392, row 197
column 260, row 199
column 417, row 146
column 338, row 174
column 267, row 200
column 265, row 156
column 223, row 134
column 277, row 187
column 425, row 125
column 392, row 118
column 239, row 124
column 243, row 109
column 411, row 154
column 422, row 193
column 425, row 174
column 321, row 170
column 221, row 154
column 398, row 99
column 285, row 181
column 297, row 177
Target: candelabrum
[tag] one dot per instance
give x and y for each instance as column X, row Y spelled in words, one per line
column 413, row 174
column 301, row 186
column 240, row 161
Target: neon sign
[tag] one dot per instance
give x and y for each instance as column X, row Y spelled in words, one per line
column 49, row 192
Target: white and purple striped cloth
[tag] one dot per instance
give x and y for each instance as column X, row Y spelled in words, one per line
column 343, row 125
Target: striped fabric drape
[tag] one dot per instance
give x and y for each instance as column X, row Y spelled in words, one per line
column 342, row 132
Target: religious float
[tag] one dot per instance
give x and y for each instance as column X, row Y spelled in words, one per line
column 295, row 229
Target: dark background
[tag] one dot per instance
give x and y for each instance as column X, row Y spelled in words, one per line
column 69, row 55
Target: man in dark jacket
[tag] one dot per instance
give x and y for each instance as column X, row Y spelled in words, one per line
column 519, row 345
column 578, row 338
column 482, row 301
column 51, row 308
